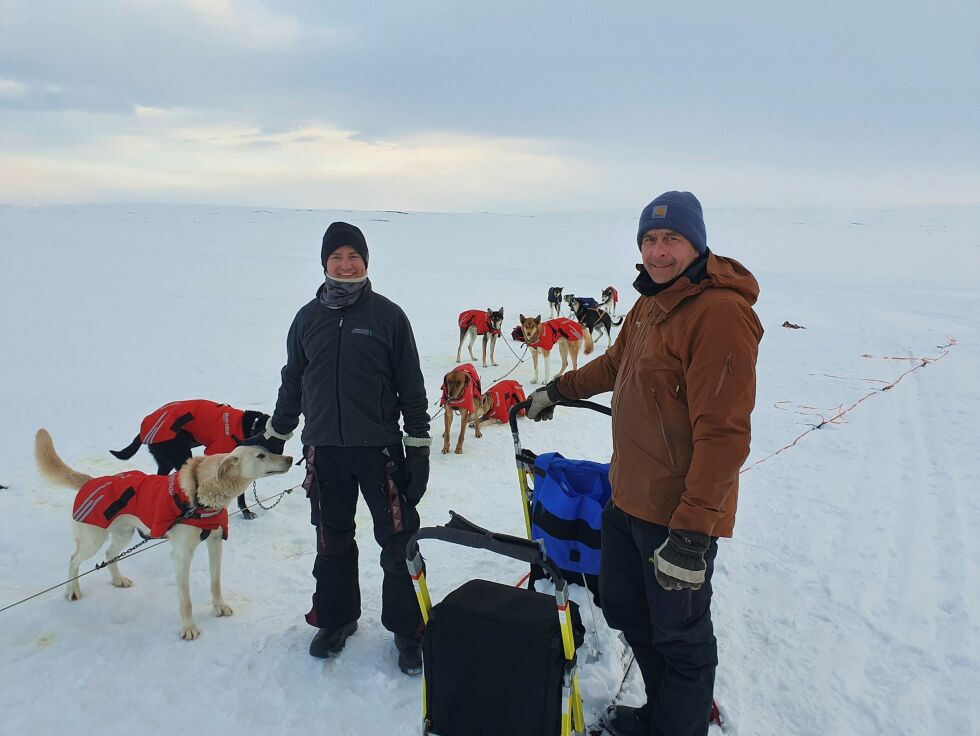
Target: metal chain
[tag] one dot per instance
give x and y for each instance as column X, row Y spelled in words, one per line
column 281, row 497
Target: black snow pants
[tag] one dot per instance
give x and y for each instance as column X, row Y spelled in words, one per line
column 670, row 631
column 340, row 473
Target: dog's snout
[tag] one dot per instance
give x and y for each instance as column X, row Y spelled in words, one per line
column 288, row 459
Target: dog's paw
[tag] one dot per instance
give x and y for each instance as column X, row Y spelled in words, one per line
column 73, row 594
column 222, row 609
column 190, row 633
column 445, row 450
column 459, row 450
column 123, row 583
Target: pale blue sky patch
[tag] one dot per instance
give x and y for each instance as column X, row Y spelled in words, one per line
column 510, row 106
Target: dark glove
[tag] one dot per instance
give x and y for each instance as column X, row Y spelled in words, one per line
column 269, row 439
column 543, row 402
column 679, row 562
column 417, row 472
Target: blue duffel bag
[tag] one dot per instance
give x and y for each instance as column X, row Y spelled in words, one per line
column 566, row 510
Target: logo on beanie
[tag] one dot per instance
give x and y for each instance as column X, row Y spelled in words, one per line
column 660, row 210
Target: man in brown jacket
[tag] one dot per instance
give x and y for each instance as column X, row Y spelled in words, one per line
column 682, row 373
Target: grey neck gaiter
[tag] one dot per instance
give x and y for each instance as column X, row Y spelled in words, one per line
column 339, row 293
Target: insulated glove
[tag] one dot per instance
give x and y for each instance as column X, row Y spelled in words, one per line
column 268, row 439
column 679, row 562
column 543, row 402
column 416, row 470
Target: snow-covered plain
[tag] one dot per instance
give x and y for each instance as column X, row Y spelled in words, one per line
column 848, row 601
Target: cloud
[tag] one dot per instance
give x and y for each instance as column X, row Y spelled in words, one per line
column 11, row 88
column 178, row 155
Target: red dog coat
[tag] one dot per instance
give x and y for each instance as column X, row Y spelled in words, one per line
column 216, row 426
column 554, row 329
column 615, row 295
column 470, row 397
column 477, row 318
column 505, row 395
column 156, row 500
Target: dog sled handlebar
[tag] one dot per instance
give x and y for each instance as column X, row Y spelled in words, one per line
column 523, row 406
column 463, row 532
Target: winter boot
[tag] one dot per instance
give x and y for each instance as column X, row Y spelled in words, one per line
column 627, row 720
column 329, row 642
column 409, row 654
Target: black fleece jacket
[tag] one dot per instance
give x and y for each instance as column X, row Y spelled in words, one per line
column 351, row 372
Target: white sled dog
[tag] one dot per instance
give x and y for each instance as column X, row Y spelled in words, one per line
column 188, row 506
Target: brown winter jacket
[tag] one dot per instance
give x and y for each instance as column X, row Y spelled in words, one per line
column 682, row 373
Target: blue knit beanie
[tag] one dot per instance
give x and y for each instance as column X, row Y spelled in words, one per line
column 677, row 211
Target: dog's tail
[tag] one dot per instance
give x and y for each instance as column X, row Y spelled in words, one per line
column 128, row 451
column 587, row 337
column 52, row 467
column 615, row 323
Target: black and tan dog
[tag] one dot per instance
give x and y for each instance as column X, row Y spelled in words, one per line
column 171, row 433
column 461, row 393
column 475, row 322
column 554, row 301
column 594, row 318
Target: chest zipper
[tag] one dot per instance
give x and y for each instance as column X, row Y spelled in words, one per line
column 340, row 338
column 726, row 370
column 663, row 428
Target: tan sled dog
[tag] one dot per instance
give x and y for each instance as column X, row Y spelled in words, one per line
column 202, row 488
column 541, row 337
column 461, row 393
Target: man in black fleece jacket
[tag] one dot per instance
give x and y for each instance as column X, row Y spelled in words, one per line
column 351, row 368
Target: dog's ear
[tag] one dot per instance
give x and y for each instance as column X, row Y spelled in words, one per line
column 538, row 319
column 522, row 318
column 227, row 466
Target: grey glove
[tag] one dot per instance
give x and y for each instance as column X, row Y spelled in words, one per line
column 268, row 439
column 679, row 562
column 543, row 402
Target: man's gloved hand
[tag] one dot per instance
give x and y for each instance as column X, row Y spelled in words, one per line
column 269, row 438
column 679, row 562
column 543, row 402
column 416, row 470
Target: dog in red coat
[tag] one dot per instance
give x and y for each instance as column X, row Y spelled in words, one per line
column 474, row 322
column 187, row 507
column 171, row 432
column 461, row 393
column 540, row 337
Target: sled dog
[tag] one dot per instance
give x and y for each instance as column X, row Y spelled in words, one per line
column 171, row 432
column 541, row 337
column 474, row 322
column 461, row 393
column 187, row 507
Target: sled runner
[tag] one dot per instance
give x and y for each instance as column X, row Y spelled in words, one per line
column 498, row 659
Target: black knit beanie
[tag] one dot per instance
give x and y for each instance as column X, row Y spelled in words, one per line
column 340, row 234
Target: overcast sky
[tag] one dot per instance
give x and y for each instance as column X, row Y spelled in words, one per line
column 503, row 106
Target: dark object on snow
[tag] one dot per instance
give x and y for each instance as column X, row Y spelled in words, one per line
column 495, row 655
column 792, row 326
column 627, row 720
column 3, row 488
column 328, row 642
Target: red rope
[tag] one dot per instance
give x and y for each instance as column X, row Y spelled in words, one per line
column 838, row 417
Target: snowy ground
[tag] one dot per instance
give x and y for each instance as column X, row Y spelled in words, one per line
column 847, row 603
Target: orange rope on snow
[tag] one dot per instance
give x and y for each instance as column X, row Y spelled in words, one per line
column 838, row 417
